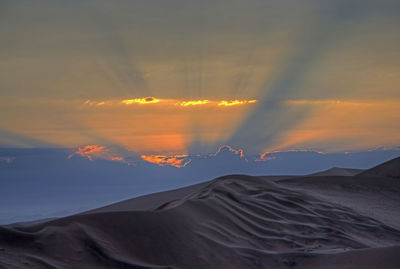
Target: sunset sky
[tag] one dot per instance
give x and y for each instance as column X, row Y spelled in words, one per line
column 184, row 77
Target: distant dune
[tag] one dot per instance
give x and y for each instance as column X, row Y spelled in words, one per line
column 337, row 171
column 235, row 221
column 387, row 169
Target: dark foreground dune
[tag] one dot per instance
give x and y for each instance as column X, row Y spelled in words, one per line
column 234, row 221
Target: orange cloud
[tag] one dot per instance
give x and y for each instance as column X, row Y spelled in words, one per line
column 89, row 151
column 94, row 103
column 7, row 160
column 181, row 160
column 162, row 160
column 193, row 103
column 235, row 102
column 96, row 151
column 118, row 159
column 265, row 156
column 146, row 100
column 182, row 103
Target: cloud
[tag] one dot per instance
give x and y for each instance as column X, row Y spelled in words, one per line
column 97, row 152
column 6, row 159
column 269, row 155
column 146, row 100
column 95, row 103
column 235, row 102
column 90, row 151
column 163, row 160
column 174, row 102
column 193, row 103
column 239, row 152
column 182, row 160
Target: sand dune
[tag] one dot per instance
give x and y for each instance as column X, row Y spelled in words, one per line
column 148, row 202
column 370, row 196
column 338, row 171
column 388, row 169
column 235, row 221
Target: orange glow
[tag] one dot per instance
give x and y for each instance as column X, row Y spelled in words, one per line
column 339, row 125
column 235, row 102
column 161, row 160
column 167, row 143
column 146, row 100
column 297, row 138
column 331, row 102
column 96, row 151
column 193, row 103
column 265, row 157
column 161, row 128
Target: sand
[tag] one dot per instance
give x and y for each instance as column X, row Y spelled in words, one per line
column 235, row 221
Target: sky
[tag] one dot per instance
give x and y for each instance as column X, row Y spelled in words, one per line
column 102, row 101
column 182, row 77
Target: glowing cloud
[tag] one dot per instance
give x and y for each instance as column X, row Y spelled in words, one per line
column 239, row 152
column 162, row 160
column 7, row 160
column 235, row 102
column 96, row 152
column 118, row 159
column 146, row 100
column 193, row 103
column 265, row 156
column 89, row 151
column 181, row 160
column 176, row 102
column 95, row 103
